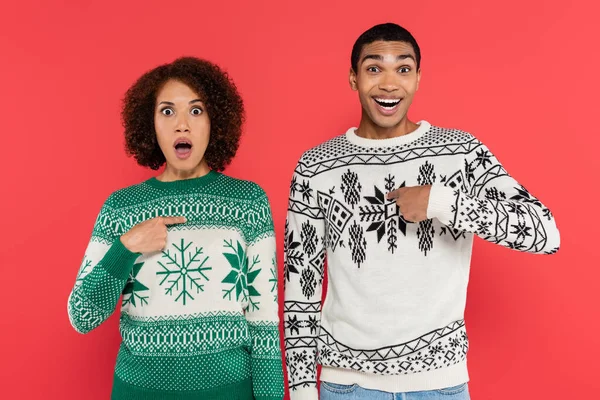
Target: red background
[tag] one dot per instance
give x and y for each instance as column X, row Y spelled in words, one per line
column 522, row 76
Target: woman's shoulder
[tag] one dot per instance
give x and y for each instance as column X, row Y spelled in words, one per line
column 129, row 195
column 237, row 188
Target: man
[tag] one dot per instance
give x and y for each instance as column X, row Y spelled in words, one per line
column 393, row 206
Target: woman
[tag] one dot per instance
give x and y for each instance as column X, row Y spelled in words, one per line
column 192, row 251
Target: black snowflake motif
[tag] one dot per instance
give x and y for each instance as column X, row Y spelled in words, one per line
column 494, row 194
column 435, row 349
column 293, row 256
column 300, row 357
column 325, row 353
column 384, row 215
column 293, row 324
column 306, row 191
column 483, row 227
column 309, row 238
column 303, row 188
column 351, row 188
column 483, row 158
column 521, row 230
column 482, row 206
column 454, row 343
column 308, row 283
column 516, row 208
column 358, row 244
column 375, row 213
column 312, row 324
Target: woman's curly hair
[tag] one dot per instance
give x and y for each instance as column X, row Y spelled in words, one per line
column 223, row 103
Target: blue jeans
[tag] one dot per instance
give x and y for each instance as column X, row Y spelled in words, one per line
column 334, row 391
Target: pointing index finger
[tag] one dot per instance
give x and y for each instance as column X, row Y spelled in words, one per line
column 394, row 194
column 173, row 220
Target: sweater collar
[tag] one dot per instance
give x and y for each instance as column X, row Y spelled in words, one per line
column 423, row 128
column 184, row 184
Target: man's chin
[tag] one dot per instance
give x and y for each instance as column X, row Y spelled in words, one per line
column 387, row 123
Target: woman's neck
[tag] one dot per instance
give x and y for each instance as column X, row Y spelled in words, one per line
column 171, row 173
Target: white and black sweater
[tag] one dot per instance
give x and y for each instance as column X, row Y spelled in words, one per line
column 393, row 316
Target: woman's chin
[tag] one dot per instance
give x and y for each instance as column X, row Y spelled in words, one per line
column 187, row 166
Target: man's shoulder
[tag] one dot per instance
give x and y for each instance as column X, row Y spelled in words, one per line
column 449, row 135
column 329, row 149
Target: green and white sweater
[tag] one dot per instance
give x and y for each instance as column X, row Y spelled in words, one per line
column 199, row 319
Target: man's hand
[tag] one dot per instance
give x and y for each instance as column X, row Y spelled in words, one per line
column 149, row 236
column 413, row 202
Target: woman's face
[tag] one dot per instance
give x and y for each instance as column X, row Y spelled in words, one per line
column 182, row 126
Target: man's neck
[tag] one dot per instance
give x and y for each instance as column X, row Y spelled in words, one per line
column 368, row 130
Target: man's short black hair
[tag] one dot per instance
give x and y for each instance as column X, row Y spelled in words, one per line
column 387, row 32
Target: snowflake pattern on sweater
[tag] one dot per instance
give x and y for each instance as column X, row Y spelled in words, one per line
column 397, row 290
column 199, row 319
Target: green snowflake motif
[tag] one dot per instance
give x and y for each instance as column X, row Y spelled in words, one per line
column 83, row 270
column 131, row 293
column 241, row 277
column 273, row 278
column 182, row 273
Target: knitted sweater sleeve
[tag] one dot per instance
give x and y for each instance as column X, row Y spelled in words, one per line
column 102, row 276
column 262, row 310
column 485, row 200
column 304, row 255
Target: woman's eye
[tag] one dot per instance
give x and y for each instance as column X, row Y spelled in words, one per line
column 196, row 111
column 167, row 111
column 405, row 70
column 372, row 69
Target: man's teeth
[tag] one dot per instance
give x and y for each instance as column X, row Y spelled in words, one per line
column 388, row 102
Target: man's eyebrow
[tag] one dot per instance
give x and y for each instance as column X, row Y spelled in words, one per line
column 379, row 57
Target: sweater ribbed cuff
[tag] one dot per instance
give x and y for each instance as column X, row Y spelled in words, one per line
column 441, row 199
column 118, row 260
column 452, row 375
column 126, row 391
column 309, row 393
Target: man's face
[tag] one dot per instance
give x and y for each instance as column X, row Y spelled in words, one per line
column 386, row 80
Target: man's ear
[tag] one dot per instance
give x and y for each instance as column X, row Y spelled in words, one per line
column 352, row 79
